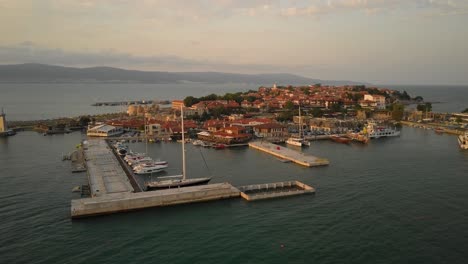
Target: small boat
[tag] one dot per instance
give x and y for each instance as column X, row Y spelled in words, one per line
column 150, row 164
column 150, row 170
column 219, row 146
column 340, row 139
column 197, row 142
column 138, row 161
column 298, row 142
column 439, row 130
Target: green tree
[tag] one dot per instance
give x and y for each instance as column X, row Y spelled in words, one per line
column 190, row 100
column 289, row 105
column 427, row 107
column 84, row 121
column 336, row 107
column 397, row 111
column 317, row 112
column 251, row 98
column 205, row 116
column 218, row 111
column 210, row 97
column 465, row 111
column 285, row 116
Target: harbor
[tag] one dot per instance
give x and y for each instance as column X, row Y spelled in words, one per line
column 113, row 186
column 289, row 154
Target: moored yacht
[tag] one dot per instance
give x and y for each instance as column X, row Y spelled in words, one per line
column 178, row 180
column 150, row 169
column 298, row 142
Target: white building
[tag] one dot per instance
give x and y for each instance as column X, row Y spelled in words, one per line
column 378, row 99
column 104, row 131
column 154, row 129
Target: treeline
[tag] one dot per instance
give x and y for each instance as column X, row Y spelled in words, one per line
column 238, row 97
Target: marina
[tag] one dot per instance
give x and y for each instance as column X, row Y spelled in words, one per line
column 289, row 154
column 113, row 187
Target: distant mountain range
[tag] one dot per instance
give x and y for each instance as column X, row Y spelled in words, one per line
column 32, row 72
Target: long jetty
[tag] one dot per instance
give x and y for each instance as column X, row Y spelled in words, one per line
column 132, row 102
column 289, row 154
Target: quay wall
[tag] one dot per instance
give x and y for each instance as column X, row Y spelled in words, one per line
column 121, row 202
column 431, row 125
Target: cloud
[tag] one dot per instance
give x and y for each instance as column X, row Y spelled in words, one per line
column 421, row 7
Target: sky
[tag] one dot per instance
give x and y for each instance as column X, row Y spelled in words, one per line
column 377, row 41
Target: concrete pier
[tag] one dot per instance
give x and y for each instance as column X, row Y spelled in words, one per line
column 274, row 190
column 105, row 175
column 289, row 154
column 121, row 202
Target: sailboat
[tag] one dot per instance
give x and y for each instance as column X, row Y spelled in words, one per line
column 178, row 180
column 298, row 141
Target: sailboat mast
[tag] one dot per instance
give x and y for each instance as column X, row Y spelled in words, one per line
column 183, row 141
column 300, row 123
column 146, row 136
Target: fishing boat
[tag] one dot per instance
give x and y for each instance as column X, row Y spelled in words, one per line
column 358, row 137
column 340, row 139
column 178, row 180
column 439, row 130
column 463, row 140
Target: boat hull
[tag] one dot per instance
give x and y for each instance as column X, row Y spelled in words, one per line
column 294, row 142
column 177, row 183
column 342, row 140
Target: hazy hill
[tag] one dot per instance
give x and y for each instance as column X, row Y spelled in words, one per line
column 32, row 72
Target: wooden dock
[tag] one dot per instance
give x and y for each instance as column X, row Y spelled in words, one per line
column 274, row 190
column 289, row 154
column 122, row 202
